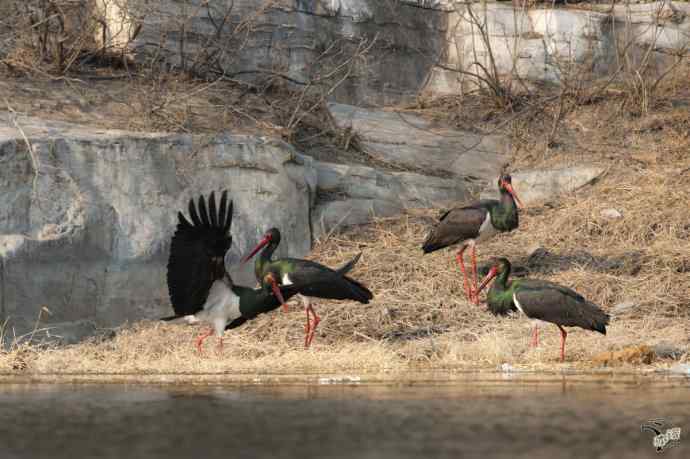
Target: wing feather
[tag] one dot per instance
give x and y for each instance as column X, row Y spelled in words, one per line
column 557, row 304
column 228, row 222
column 221, row 211
column 192, row 213
column 197, row 250
column 455, row 226
column 202, row 212
column 317, row 280
column 212, row 210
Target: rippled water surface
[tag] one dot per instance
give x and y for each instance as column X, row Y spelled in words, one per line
column 471, row 418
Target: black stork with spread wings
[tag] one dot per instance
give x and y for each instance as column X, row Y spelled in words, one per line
column 200, row 287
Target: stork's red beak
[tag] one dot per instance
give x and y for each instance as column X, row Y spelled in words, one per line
column 259, row 246
column 492, row 273
column 509, row 188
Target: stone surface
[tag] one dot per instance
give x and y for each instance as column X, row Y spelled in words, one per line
column 358, row 193
column 665, row 350
column 411, row 142
column 261, row 39
column 541, row 185
column 611, row 213
column 88, row 237
column 544, row 43
column 681, row 369
column 624, row 307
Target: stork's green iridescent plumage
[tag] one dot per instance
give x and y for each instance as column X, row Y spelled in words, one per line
column 500, row 296
column 504, row 212
column 542, row 300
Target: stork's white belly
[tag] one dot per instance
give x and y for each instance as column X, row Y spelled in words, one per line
column 222, row 307
column 487, row 230
column 286, row 280
column 517, row 304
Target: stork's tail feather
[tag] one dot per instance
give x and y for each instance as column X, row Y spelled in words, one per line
column 430, row 244
column 598, row 318
column 347, row 267
column 359, row 291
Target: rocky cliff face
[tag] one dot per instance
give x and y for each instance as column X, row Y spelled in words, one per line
column 300, row 40
column 397, row 48
column 543, row 43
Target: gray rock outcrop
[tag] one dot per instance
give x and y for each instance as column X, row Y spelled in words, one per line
column 555, row 44
column 293, row 41
column 410, row 142
column 356, row 193
column 542, row 185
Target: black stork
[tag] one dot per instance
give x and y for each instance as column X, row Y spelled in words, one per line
column 474, row 223
column 200, row 287
column 542, row 300
column 311, row 279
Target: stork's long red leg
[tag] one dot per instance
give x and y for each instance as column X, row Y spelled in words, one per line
column 200, row 339
column 475, row 293
column 535, row 336
column 276, row 292
column 307, row 326
column 312, row 326
column 564, row 335
column 465, row 280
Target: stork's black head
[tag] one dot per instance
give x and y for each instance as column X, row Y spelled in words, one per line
column 503, row 179
column 272, row 236
column 499, row 266
column 505, row 185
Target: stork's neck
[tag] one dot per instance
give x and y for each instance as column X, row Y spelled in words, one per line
column 264, row 259
column 501, row 281
column 507, row 202
column 504, row 216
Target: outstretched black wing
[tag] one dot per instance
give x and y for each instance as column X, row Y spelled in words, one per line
column 197, row 250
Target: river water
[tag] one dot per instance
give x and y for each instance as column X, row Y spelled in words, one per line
column 509, row 418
